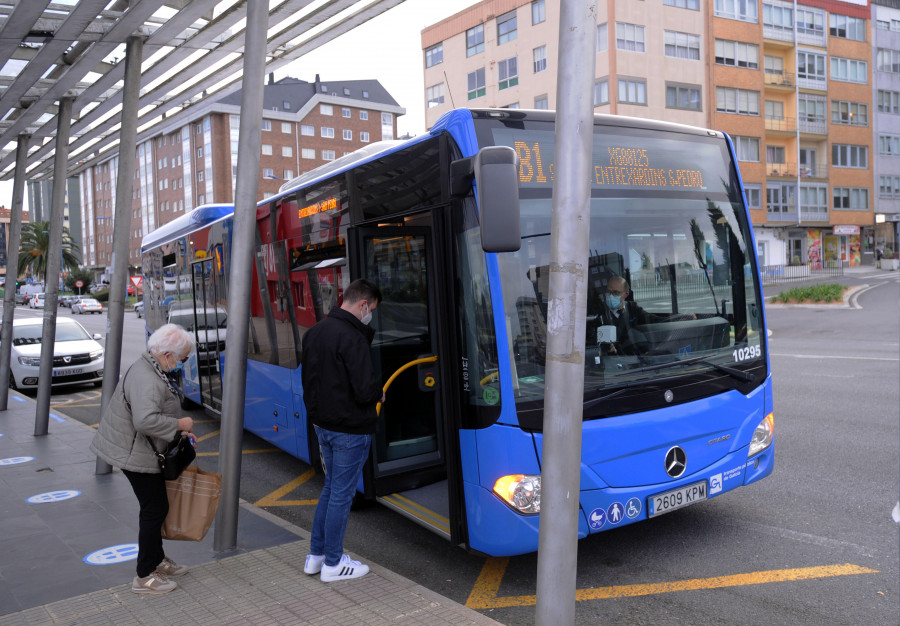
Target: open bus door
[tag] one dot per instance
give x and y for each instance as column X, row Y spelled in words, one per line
column 209, row 334
column 407, row 470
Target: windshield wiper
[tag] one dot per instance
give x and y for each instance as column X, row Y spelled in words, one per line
column 731, row 371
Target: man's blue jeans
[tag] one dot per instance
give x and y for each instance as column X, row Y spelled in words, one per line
column 343, row 456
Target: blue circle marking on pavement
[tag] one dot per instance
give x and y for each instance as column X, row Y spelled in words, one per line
column 633, row 508
column 597, row 519
column 53, row 496
column 18, row 399
column 14, row 460
column 615, row 512
column 56, row 417
column 113, row 554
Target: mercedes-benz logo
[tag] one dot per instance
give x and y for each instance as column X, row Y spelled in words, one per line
column 676, row 462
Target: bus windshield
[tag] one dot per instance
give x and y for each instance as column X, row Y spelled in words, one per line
column 672, row 292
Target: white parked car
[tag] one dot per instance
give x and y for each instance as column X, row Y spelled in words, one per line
column 86, row 305
column 77, row 357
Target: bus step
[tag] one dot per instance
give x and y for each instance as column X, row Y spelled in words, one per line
column 416, row 512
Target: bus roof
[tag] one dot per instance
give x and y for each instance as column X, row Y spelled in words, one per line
column 203, row 215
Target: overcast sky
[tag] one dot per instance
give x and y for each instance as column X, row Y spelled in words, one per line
column 387, row 48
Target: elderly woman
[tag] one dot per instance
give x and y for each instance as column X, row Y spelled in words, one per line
column 145, row 404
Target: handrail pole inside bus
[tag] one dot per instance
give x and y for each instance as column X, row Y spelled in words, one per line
column 235, row 378
column 567, row 301
column 122, row 227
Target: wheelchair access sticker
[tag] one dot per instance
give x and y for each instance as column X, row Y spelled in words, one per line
column 113, row 554
column 53, row 496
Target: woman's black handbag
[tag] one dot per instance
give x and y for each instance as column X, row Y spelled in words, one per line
column 177, row 456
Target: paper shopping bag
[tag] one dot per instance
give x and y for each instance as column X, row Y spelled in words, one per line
column 193, row 500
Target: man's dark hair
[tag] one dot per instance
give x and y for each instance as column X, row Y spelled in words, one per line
column 362, row 289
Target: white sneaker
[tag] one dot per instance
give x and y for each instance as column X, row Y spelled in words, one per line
column 346, row 569
column 313, row 564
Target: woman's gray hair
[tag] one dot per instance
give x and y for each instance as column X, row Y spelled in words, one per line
column 170, row 338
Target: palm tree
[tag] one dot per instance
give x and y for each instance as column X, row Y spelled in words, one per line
column 33, row 250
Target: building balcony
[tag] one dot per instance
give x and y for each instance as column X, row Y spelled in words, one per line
column 813, row 126
column 781, row 170
column 782, row 213
column 814, row 170
column 781, row 125
column 785, row 80
column 805, row 171
column 778, row 33
column 811, row 37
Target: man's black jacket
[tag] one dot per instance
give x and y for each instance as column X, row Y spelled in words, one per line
column 340, row 389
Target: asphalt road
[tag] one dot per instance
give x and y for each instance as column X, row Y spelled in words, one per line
column 812, row 544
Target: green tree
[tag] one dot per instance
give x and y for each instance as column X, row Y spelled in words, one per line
column 83, row 275
column 33, row 250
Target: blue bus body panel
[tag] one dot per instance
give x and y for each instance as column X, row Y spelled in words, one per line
column 269, row 408
column 622, row 465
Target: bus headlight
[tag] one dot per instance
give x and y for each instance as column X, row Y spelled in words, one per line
column 763, row 435
column 520, row 491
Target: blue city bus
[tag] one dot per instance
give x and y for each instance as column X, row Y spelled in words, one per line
column 683, row 417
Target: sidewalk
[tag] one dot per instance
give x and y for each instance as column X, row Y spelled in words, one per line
column 77, row 518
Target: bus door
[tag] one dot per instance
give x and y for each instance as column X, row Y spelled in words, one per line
column 209, row 333
column 407, row 469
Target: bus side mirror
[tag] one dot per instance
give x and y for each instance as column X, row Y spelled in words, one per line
column 497, row 184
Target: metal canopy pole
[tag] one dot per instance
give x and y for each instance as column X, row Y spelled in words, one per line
column 134, row 48
column 12, row 261
column 237, row 331
column 53, row 265
column 567, row 308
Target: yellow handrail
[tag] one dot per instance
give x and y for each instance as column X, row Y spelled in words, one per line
column 427, row 359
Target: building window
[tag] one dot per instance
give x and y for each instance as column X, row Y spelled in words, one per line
column 475, row 80
column 364, row 115
column 328, row 155
column 849, row 113
column 850, row 70
column 774, row 110
column 364, row 137
column 851, row 198
column 753, row 194
column 345, row 112
column 780, row 197
column 267, row 149
column 888, row 101
column 286, row 105
column 740, row 101
column 434, row 55
column 737, row 54
column 507, row 29
column 348, row 134
column 287, row 151
column 602, row 38
column 327, row 132
column 844, row 155
column 538, row 12
column 200, row 153
column 434, row 96
column 683, row 97
column 326, row 109
column 288, row 174
column 744, row 10
column 267, row 125
column 811, row 66
column 475, row 40
column 601, row 92
column 200, row 175
column 889, row 186
column 775, row 154
column 365, row 94
column 508, row 73
column 694, row 5
column 268, row 172
column 307, row 153
column 286, row 128
column 811, row 23
column 541, row 103
column 682, row 45
column 632, row 91
column 630, row 37
column 778, row 18
column 814, row 199
column 774, row 66
column 889, row 145
column 887, row 60
column 307, row 130
column 846, row 27
column 540, row 59
column 812, row 108
column 346, row 91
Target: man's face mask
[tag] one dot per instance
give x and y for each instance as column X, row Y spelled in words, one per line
column 613, row 302
column 367, row 316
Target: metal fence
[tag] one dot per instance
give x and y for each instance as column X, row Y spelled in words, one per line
column 774, row 274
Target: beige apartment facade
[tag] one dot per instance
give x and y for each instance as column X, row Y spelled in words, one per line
column 724, row 64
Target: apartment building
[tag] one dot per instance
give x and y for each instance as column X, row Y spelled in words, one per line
column 191, row 159
column 886, row 89
column 791, row 83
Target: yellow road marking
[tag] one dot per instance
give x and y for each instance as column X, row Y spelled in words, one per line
column 209, row 435
column 274, row 498
column 484, row 593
